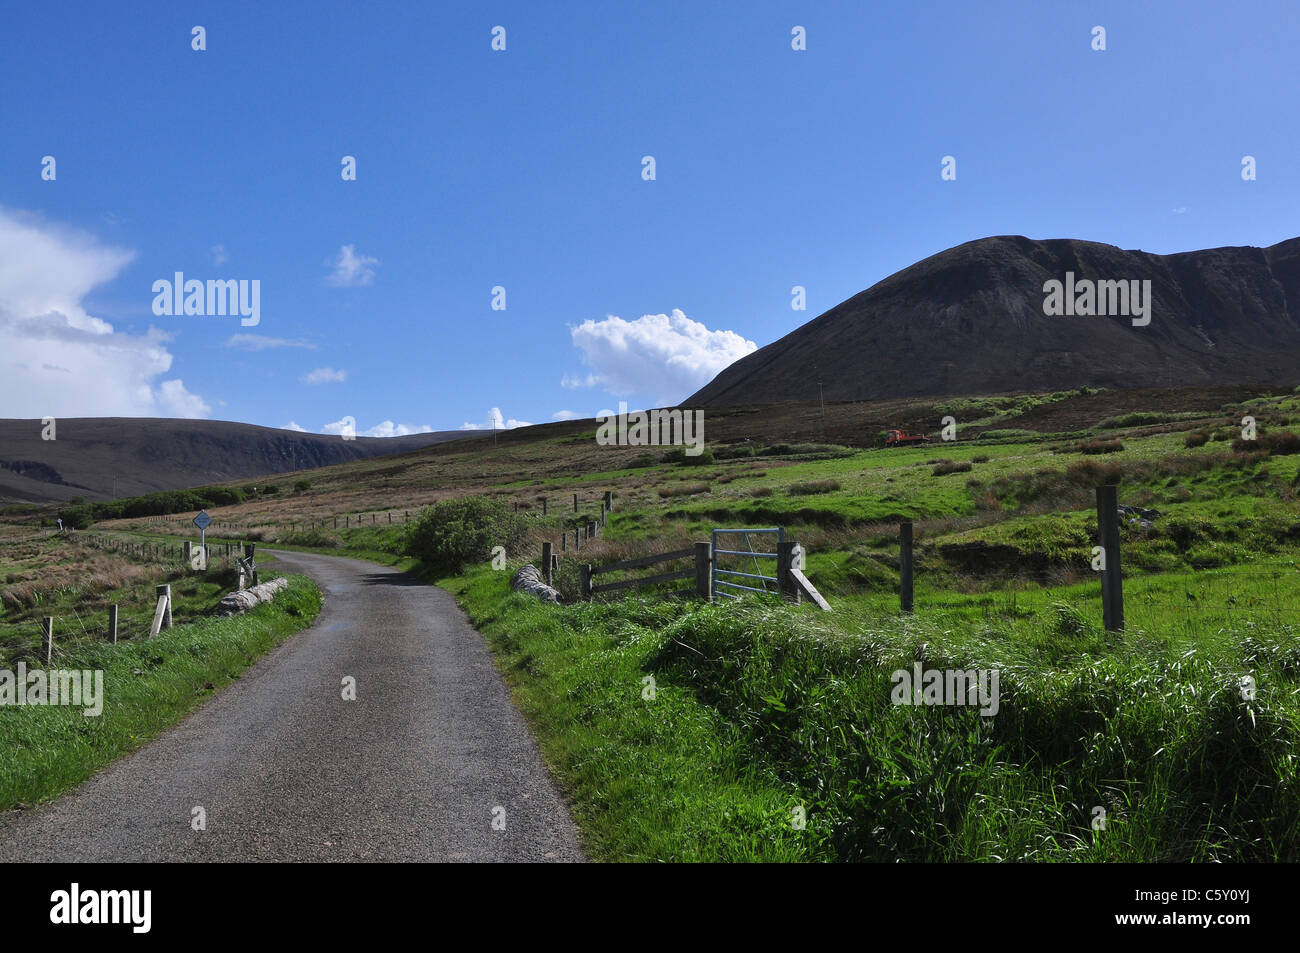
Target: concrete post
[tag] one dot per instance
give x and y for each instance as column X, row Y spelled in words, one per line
column 1112, row 578
column 47, row 637
column 112, row 623
column 704, row 570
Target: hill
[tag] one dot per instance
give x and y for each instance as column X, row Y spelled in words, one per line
column 106, row 457
column 970, row 320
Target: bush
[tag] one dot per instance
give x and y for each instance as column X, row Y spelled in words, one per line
column 451, row 534
column 1099, row 446
column 679, row 455
column 1197, row 438
column 301, row 486
column 980, row 458
column 811, row 487
column 682, row 489
column 943, row 467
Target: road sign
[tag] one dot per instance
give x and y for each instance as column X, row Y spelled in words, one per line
column 203, row 520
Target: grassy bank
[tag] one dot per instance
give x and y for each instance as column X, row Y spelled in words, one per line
column 149, row 685
column 761, row 709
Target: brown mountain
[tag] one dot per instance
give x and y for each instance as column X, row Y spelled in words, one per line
column 103, row 457
column 970, row 320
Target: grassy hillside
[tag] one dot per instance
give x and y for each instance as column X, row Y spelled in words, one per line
column 763, row 708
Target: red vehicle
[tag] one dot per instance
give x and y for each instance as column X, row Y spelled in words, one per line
column 901, row 438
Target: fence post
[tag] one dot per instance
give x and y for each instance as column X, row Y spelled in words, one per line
column 609, row 500
column 704, row 570
column 336, row 522
column 166, row 590
column 564, row 540
column 905, row 565
column 785, row 583
column 575, row 502
column 576, row 544
column 112, row 623
column 546, row 562
column 591, row 529
column 1112, row 579
column 543, row 506
column 586, row 581
column 47, row 637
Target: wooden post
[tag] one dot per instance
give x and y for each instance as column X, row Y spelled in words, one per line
column 189, row 549
column 112, row 623
column 336, row 522
column 905, row 565
column 546, row 562
column 576, row 544
column 543, row 506
column 575, row 502
column 564, row 540
column 586, row 581
column 591, row 529
column 785, row 583
column 47, row 637
column 704, row 570
column 390, row 517
column 1112, row 579
column 347, row 521
column 609, row 500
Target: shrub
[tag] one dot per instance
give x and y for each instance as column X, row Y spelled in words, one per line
column 811, row 487
column 1091, row 473
column 301, row 486
column 450, row 534
column 943, row 467
column 980, row 458
column 1099, row 446
column 683, row 489
column 1197, row 438
column 679, row 455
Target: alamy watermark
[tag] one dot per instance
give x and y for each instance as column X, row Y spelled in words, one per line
column 211, row 298
column 951, row 686
column 652, row 428
column 83, row 689
column 1099, row 298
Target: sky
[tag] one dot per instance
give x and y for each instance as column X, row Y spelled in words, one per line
column 517, row 177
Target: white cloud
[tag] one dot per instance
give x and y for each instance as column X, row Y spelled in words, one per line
column 665, row 356
column 351, row 269
column 573, row 382
column 293, row 426
column 219, row 256
column 497, row 421
column 57, row 359
column 179, row 402
column 564, row 415
column 385, row 429
column 260, row 342
column 325, row 375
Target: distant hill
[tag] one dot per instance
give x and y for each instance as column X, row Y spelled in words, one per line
column 103, row 457
column 970, row 320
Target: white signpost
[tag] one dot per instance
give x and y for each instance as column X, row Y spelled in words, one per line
column 199, row 557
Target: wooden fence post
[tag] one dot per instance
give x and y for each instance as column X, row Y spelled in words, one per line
column 575, row 502
column 785, row 583
column 564, row 540
column 546, row 562
column 1112, row 578
column 47, row 637
column 586, row 581
column 609, row 500
column 543, row 506
column 591, row 529
column 905, row 565
column 112, row 623
column 704, row 570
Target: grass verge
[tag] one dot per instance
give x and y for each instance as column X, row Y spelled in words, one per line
column 149, row 685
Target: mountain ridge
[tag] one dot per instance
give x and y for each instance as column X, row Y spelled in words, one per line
column 969, row 320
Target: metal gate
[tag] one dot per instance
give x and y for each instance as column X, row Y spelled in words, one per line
column 748, row 558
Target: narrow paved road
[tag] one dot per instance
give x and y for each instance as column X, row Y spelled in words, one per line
column 417, row 768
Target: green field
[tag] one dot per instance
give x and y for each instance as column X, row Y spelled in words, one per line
column 764, row 713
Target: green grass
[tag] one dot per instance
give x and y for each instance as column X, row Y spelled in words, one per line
column 761, row 708
column 149, row 685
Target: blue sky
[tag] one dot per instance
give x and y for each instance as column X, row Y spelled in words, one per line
column 523, row 169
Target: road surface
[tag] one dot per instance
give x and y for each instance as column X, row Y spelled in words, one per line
column 417, row 768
